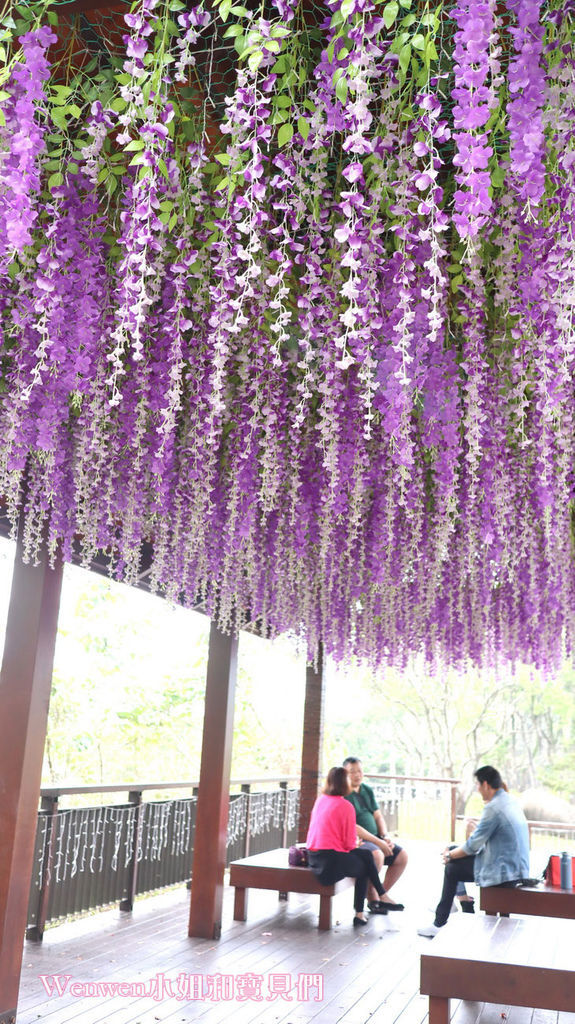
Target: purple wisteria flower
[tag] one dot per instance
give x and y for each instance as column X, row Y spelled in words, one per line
column 237, row 330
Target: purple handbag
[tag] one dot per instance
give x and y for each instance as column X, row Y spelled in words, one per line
column 297, row 856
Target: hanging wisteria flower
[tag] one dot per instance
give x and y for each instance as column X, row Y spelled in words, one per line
column 527, row 88
column 22, row 142
column 474, row 97
column 238, row 332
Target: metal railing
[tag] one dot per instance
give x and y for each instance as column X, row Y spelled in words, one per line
column 90, row 857
column 418, row 807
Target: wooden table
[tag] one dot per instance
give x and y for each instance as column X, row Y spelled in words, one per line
column 541, row 900
column 517, row 962
column 272, row 871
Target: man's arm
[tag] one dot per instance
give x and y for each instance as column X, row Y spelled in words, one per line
column 454, row 854
column 486, row 826
column 384, row 845
column 479, row 836
column 380, row 822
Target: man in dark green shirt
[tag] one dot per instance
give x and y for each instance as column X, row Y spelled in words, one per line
column 372, row 833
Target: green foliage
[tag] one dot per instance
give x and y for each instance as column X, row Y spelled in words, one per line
column 410, row 723
column 128, row 691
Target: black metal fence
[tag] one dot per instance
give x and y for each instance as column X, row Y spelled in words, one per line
column 90, row 857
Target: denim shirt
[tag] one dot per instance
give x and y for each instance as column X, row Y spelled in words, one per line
column 500, row 842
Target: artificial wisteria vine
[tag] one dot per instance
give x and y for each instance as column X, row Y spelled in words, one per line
column 287, row 304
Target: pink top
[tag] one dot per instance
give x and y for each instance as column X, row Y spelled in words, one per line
column 332, row 825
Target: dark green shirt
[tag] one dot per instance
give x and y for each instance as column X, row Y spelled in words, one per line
column 365, row 804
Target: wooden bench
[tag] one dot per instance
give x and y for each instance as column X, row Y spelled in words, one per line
column 541, row 900
column 272, row 871
column 517, row 962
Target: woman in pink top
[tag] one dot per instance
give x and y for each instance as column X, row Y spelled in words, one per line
column 331, row 842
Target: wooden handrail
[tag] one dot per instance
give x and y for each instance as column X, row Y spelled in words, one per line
column 412, row 778
column 142, row 787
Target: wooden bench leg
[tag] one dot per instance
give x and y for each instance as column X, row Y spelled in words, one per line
column 240, row 904
column 438, row 1010
column 283, row 896
column 324, row 913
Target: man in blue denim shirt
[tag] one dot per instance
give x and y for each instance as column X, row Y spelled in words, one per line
column 496, row 853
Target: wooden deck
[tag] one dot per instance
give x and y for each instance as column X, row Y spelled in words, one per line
column 368, row 976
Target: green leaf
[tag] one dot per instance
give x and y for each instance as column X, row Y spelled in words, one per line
column 223, row 158
column 417, row 41
column 303, row 127
column 134, row 146
column 341, row 90
column 347, row 8
column 233, row 30
column 282, row 100
column 225, row 8
column 285, row 134
column 222, row 184
column 255, row 60
column 59, row 118
column 390, row 13
column 498, row 177
column 55, row 180
column 62, row 92
column 405, row 57
column 241, row 12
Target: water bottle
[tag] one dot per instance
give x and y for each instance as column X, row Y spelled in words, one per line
column 566, row 873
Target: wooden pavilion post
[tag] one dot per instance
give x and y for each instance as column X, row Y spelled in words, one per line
column 214, row 791
column 25, row 681
column 312, row 742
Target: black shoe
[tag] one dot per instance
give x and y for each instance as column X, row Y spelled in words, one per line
column 394, row 906
column 358, row 922
column 378, row 907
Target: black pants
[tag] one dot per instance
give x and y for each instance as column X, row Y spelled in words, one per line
column 329, row 866
column 460, row 870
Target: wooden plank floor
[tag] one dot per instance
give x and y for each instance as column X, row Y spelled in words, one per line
column 368, row 976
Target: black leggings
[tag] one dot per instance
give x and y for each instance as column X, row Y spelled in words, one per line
column 329, row 866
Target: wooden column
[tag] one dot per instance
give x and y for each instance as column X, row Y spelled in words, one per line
column 214, row 791
column 25, row 681
column 312, row 743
